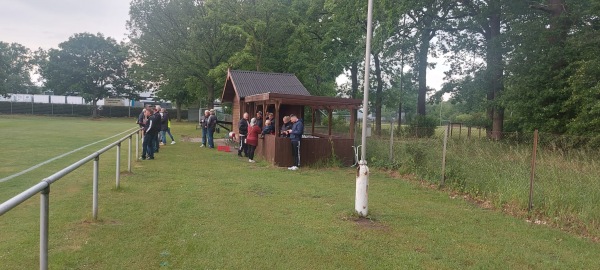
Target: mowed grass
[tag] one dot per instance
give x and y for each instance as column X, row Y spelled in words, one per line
column 196, row 208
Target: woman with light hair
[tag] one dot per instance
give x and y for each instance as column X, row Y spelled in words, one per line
column 252, row 140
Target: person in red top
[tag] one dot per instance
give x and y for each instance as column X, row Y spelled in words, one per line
column 252, row 139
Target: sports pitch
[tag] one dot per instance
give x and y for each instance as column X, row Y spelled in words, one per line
column 196, row 208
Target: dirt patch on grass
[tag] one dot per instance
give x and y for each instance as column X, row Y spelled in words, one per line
column 187, row 138
column 366, row 223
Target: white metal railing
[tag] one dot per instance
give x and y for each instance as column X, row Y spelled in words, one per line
column 43, row 188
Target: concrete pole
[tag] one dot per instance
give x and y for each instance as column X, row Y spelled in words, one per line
column 361, row 203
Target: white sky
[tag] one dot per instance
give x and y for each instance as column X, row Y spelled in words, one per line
column 46, row 23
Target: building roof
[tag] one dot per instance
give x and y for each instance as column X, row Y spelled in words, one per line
column 312, row 101
column 248, row 83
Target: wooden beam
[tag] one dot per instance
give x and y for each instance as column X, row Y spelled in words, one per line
column 352, row 122
column 330, row 115
column 313, row 120
column 277, row 115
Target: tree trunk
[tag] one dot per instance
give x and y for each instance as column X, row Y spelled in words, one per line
column 94, row 108
column 178, row 108
column 378, row 94
column 401, row 90
column 495, row 73
column 422, row 56
column 399, row 114
column 354, row 79
column 211, row 96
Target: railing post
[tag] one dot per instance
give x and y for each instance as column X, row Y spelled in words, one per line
column 137, row 144
column 118, row 165
column 129, row 155
column 95, row 188
column 44, row 221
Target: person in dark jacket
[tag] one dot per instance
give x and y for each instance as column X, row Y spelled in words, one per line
column 150, row 130
column 204, row 125
column 268, row 129
column 296, row 136
column 243, row 133
column 259, row 120
column 164, row 125
column 157, row 118
column 141, row 121
column 168, row 130
column 211, row 126
column 252, row 140
column 287, row 125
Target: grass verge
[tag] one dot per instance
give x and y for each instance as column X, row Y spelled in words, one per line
column 194, row 208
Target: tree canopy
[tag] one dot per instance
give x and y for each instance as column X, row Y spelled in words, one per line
column 91, row 66
column 514, row 65
column 15, row 64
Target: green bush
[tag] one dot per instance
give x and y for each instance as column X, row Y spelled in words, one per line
column 419, row 127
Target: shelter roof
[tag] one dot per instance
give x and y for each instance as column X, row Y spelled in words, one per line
column 312, row 101
column 248, row 83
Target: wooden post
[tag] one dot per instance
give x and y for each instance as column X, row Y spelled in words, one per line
column 352, row 123
column 277, row 115
column 313, row 120
column 392, row 140
column 330, row 115
column 443, row 182
column 469, row 132
column 532, row 175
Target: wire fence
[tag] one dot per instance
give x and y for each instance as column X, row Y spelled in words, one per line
column 553, row 178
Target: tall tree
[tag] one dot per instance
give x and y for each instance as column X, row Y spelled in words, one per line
column 544, row 64
column 426, row 19
column 178, row 44
column 15, row 67
column 93, row 66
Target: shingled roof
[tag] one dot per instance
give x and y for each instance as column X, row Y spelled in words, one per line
column 248, row 83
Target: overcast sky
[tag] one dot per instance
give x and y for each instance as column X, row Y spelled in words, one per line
column 46, row 23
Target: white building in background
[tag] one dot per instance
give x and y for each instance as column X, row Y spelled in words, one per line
column 76, row 100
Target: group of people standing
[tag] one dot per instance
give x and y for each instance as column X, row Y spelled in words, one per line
column 155, row 124
column 208, row 123
column 251, row 130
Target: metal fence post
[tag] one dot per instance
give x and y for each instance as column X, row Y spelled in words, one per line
column 118, row 166
column 44, row 221
column 392, row 140
column 532, row 175
column 137, row 144
column 95, row 188
column 443, row 181
column 129, row 155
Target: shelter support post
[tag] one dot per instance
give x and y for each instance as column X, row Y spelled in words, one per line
column 330, row 115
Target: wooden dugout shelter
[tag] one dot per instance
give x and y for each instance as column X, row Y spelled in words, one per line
column 282, row 94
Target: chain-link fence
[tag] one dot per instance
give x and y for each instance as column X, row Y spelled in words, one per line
column 563, row 178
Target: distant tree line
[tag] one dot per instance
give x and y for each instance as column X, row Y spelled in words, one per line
column 515, row 65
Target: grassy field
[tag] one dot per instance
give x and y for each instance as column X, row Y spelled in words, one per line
column 196, row 208
column 566, row 188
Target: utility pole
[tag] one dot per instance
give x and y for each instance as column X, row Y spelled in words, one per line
column 361, row 203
